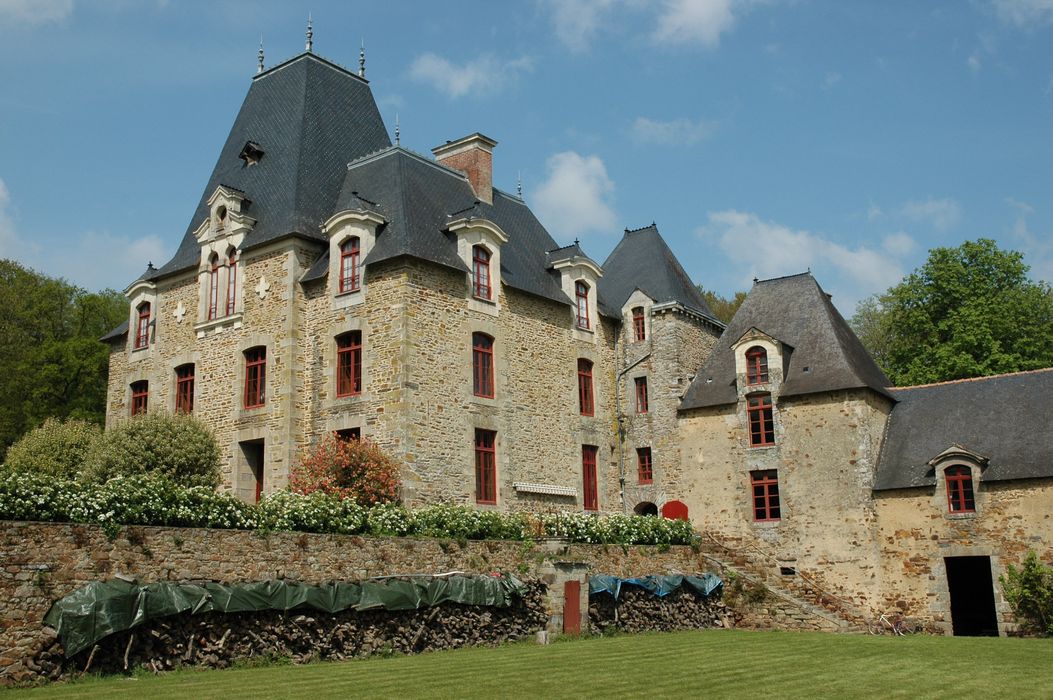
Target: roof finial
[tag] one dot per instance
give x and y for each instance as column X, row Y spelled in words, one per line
column 362, row 60
column 259, row 57
column 577, row 242
column 310, row 32
column 396, row 128
column 519, row 184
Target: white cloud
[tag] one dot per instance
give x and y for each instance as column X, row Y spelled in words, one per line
column 483, row 75
column 874, row 212
column 764, row 249
column 8, row 239
column 974, row 62
column 942, row 214
column 899, row 243
column 1024, row 13
column 676, row 132
column 691, row 21
column 576, row 197
column 831, row 80
column 35, row 11
column 577, row 21
column 1037, row 248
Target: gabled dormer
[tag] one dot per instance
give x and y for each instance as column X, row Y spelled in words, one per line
column 142, row 317
column 227, row 219
column 760, row 362
column 579, row 278
column 220, row 270
column 479, row 243
column 352, row 234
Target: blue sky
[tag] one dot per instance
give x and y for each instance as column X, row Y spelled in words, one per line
column 765, row 137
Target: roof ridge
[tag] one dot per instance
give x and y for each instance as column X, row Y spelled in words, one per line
column 310, row 54
column 786, row 277
column 965, row 380
column 642, row 228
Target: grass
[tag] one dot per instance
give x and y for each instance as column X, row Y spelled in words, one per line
column 685, row 664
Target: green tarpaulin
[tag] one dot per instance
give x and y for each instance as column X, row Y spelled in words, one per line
column 103, row 608
column 703, row 585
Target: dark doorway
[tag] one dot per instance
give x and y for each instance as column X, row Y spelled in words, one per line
column 253, row 452
column 972, row 596
column 646, row 508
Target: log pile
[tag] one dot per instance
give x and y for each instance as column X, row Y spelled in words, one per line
column 638, row 610
column 217, row 640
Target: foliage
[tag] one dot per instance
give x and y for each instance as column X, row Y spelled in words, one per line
column 154, row 499
column 348, row 469
column 723, row 307
column 1029, row 591
column 969, row 311
column 57, row 448
column 179, row 447
column 51, row 359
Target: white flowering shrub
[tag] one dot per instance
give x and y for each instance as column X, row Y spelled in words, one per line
column 154, row 499
column 55, row 447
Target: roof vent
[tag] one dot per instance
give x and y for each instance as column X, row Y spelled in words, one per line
column 251, row 153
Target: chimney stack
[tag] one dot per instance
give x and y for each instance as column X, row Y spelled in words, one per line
column 474, row 155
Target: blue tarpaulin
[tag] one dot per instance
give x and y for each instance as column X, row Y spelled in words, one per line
column 704, row 585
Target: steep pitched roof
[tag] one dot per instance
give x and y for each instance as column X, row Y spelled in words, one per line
column 420, row 198
column 642, row 260
column 825, row 354
column 310, row 117
column 1003, row 418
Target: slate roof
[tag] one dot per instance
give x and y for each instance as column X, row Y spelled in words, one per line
column 118, row 332
column 643, row 261
column 825, row 355
column 310, row 117
column 420, row 198
column 1003, row 418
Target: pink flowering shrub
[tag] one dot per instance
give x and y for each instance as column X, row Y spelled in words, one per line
column 348, row 469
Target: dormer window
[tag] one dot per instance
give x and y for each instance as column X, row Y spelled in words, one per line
column 960, row 498
column 213, row 287
column 221, row 218
column 581, row 294
column 251, row 153
column 756, row 366
column 481, row 287
column 639, row 326
column 142, row 326
column 350, row 254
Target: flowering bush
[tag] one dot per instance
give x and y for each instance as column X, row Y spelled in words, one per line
column 55, row 447
column 179, row 447
column 348, row 469
column 153, row 499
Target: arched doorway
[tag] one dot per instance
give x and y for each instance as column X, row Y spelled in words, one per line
column 674, row 510
column 646, row 508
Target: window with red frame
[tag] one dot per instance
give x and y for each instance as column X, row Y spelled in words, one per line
column 481, row 287
column 140, row 396
column 643, row 464
column 349, row 257
column 232, row 281
column 482, row 365
column 255, row 377
column 590, row 490
column 756, row 366
column 765, row 487
column 213, row 287
column 349, row 364
column 485, row 466
column 184, row 394
column 581, row 292
column 761, row 420
column 639, row 327
column 641, row 394
column 142, row 326
column 585, row 402
column 960, row 489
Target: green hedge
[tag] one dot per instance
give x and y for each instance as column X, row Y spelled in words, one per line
column 152, row 499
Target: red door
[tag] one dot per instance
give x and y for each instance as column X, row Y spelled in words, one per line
column 674, row 510
column 572, row 607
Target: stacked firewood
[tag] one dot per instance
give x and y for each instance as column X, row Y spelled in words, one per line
column 638, row 610
column 216, row 640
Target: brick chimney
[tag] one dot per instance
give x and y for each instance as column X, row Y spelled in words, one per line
column 474, row 155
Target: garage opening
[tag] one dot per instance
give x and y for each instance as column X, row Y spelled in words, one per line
column 251, row 484
column 972, row 596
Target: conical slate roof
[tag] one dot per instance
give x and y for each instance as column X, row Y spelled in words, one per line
column 824, row 354
column 310, row 117
column 642, row 260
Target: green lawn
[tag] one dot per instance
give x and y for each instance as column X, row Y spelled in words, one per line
column 683, row 665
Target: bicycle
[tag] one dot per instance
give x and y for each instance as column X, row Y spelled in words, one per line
column 900, row 626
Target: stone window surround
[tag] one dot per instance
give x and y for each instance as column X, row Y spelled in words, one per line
column 357, row 223
column 219, row 242
column 598, row 396
column 140, row 374
column 956, row 456
column 637, row 300
column 344, row 421
column 471, row 232
column 491, row 329
column 755, row 338
column 749, row 513
column 352, row 323
column 138, row 293
column 260, row 412
column 501, row 464
column 186, row 358
column 573, row 270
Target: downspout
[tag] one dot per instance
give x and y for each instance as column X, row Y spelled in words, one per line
column 621, row 426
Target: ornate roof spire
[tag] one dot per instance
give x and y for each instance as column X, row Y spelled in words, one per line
column 310, row 32
column 396, row 128
column 362, row 60
column 259, row 57
column 519, row 184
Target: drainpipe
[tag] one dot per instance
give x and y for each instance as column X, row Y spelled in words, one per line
column 621, row 428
